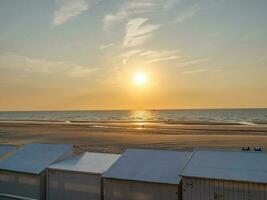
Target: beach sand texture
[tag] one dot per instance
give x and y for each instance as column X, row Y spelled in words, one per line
column 115, row 137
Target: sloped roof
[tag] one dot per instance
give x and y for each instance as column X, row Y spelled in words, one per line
column 228, row 165
column 34, row 158
column 4, row 149
column 96, row 163
column 149, row 166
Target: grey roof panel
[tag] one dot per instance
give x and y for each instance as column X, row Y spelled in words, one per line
column 149, row 166
column 228, row 165
column 34, row 158
column 4, row 149
column 88, row 163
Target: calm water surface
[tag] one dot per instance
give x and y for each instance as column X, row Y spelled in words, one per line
column 242, row 116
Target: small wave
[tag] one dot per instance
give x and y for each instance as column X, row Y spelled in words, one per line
column 248, row 123
column 98, row 126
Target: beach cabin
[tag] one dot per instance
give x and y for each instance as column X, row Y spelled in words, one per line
column 225, row 175
column 23, row 174
column 145, row 175
column 78, row 177
column 6, row 150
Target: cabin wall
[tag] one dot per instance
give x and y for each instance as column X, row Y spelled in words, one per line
column 43, row 185
column 72, row 186
column 132, row 190
column 207, row 189
column 19, row 184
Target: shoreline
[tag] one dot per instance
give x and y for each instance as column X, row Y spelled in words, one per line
column 167, row 122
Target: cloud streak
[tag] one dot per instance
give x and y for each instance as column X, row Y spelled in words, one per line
column 170, row 4
column 11, row 61
column 189, row 13
column 127, row 55
column 197, row 71
column 192, row 62
column 159, row 56
column 106, row 46
column 131, row 9
column 137, row 32
column 151, row 56
column 69, row 9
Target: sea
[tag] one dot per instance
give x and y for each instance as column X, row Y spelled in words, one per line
column 221, row 116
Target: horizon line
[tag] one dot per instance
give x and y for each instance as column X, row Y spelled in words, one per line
column 148, row 109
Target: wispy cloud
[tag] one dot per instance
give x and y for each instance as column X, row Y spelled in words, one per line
column 11, row 61
column 130, row 9
column 204, row 70
column 170, row 4
column 195, row 71
column 137, row 32
column 189, row 13
column 159, row 56
column 78, row 71
column 133, row 9
column 127, row 55
column 151, row 56
column 192, row 62
column 106, row 46
column 68, row 9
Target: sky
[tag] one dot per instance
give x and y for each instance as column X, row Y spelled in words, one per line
column 85, row 54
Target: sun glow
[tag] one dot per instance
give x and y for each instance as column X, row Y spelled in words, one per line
column 140, row 79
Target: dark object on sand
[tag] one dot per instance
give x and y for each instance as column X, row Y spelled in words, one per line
column 246, row 148
column 257, row 149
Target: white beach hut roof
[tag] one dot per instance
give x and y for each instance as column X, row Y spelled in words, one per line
column 95, row 163
column 149, row 166
column 34, row 158
column 228, row 165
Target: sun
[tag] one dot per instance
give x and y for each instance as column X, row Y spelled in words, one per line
column 139, row 79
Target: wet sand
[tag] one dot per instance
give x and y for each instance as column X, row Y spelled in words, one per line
column 115, row 137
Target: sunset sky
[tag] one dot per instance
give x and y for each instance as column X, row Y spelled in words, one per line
column 132, row 54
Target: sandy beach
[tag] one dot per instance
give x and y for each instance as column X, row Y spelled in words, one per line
column 115, row 137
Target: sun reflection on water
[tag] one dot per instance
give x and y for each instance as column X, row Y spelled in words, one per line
column 143, row 115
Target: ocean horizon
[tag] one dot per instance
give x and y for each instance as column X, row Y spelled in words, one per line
column 247, row 116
